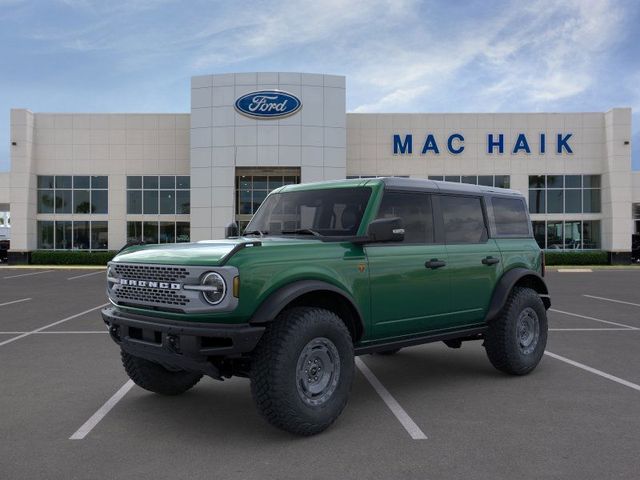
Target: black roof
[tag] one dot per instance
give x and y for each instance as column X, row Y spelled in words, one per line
column 445, row 187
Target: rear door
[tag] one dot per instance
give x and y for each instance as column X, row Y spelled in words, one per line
column 475, row 263
column 407, row 295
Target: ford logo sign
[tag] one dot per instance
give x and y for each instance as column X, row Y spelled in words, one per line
column 268, row 104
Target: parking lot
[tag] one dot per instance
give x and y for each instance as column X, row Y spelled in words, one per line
column 66, row 409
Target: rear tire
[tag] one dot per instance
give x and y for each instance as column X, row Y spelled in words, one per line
column 155, row 378
column 302, row 370
column 516, row 340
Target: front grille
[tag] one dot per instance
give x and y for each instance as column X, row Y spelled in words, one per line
column 151, row 272
column 158, row 296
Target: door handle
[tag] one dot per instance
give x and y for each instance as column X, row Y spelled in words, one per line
column 434, row 263
column 490, row 260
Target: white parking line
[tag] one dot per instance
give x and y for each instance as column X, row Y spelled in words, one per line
column 575, row 270
column 86, row 275
column 612, row 300
column 56, row 331
column 399, row 412
column 608, row 376
column 15, row 301
column 594, row 319
column 84, row 430
column 27, row 274
column 613, row 329
column 37, row 330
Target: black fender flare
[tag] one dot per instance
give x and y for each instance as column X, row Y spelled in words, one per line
column 279, row 299
column 508, row 281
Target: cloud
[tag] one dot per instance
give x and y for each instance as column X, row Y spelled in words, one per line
column 528, row 58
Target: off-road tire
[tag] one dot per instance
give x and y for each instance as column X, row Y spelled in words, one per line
column 391, row 351
column 503, row 338
column 155, row 378
column 275, row 383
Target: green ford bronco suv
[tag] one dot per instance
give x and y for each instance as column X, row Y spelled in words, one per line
column 324, row 272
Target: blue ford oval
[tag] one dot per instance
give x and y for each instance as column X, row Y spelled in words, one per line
column 268, row 104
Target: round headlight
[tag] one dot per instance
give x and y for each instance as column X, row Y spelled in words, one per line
column 216, row 288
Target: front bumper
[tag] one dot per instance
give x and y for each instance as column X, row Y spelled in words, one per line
column 186, row 346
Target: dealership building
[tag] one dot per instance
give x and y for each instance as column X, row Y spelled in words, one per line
column 94, row 181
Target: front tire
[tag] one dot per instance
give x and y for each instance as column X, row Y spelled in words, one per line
column 155, row 378
column 516, row 340
column 302, row 370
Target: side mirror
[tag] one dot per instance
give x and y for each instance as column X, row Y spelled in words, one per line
column 386, row 230
column 231, row 230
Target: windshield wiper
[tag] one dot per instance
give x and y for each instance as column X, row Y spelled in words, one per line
column 302, row 231
column 254, row 232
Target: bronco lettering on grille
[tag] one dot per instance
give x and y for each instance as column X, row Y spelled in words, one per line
column 150, row 284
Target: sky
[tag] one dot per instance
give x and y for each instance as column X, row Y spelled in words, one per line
column 397, row 55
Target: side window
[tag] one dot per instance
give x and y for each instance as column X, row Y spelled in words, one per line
column 510, row 217
column 415, row 211
column 463, row 219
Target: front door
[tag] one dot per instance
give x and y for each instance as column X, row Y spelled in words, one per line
column 409, row 280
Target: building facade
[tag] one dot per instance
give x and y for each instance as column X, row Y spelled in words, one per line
column 96, row 181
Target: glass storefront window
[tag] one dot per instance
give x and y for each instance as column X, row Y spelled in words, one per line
column 167, row 232
column 568, row 235
column 134, row 201
column 99, row 236
column 539, row 233
column 572, row 235
column 537, row 201
column 99, row 201
column 591, row 200
column 591, row 234
column 183, row 201
column 67, row 235
column 45, row 201
column 183, row 232
column 150, row 202
column 564, row 194
column 158, row 232
column 64, row 235
column 134, row 232
column 555, row 201
column 45, row 234
column 63, row 201
column 81, row 203
column 81, row 235
column 150, row 232
column 153, row 195
column 573, row 201
column 66, row 194
column 471, row 179
column 167, row 202
column 555, row 235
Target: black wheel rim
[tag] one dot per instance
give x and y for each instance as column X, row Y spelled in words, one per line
column 528, row 330
column 318, row 371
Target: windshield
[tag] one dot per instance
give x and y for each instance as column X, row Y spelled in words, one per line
column 326, row 212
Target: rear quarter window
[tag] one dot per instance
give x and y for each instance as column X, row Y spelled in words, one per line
column 510, row 217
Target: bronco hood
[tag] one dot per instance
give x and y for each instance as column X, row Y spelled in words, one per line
column 205, row 253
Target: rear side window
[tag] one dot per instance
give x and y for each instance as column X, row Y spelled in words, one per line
column 463, row 219
column 415, row 211
column 510, row 217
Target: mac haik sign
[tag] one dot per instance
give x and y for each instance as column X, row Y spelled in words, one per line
column 495, row 144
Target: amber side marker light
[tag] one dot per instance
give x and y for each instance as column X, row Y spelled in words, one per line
column 236, row 287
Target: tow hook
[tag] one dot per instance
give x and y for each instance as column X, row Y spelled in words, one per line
column 173, row 343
